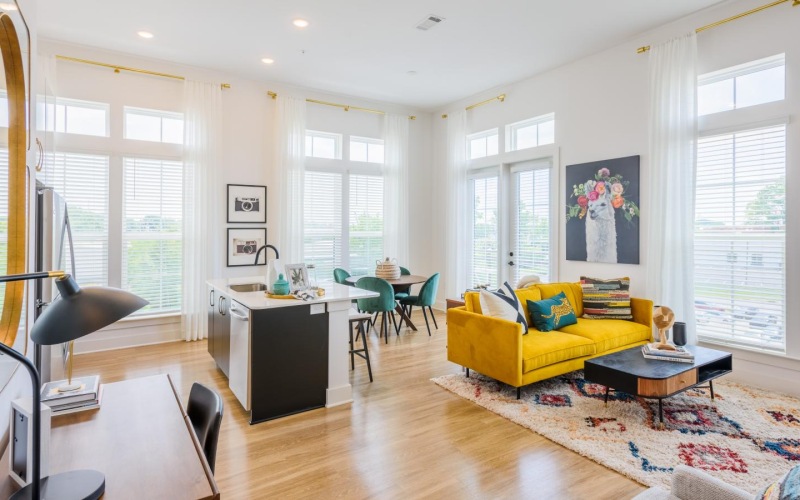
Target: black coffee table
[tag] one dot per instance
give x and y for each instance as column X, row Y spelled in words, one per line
column 630, row 372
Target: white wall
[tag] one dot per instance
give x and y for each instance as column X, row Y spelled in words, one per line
column 248, row 153
column 601, row 108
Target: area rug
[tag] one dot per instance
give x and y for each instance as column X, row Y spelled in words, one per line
column 745, row 437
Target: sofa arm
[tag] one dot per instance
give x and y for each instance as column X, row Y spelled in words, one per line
column 488, row 345
column 694, row 484
column 642, row 310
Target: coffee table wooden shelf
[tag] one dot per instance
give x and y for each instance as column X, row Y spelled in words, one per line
column 630, row 372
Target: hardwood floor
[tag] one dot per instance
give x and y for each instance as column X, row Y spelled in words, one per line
column 402, row 437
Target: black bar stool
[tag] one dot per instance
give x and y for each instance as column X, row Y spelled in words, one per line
column 359, row 319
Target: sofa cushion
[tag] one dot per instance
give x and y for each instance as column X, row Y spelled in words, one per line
column 472, row 300
column 609, row 333
column 571, row 290
column 497, row 305
column 606, row 299
column 543, row 349
column 551, row 314
column 522, row 318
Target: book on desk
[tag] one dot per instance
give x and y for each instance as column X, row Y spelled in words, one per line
column 86, row 397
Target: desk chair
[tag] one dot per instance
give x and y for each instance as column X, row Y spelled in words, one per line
column 382, row 304
column 205, row 412
column 426, row 298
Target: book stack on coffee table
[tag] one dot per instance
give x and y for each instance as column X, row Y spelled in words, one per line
column 85, row 397
column 679, row 355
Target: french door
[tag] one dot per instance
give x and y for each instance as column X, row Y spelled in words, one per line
column 512, row 212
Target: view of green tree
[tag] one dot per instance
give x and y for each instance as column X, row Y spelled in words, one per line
column 769, row 207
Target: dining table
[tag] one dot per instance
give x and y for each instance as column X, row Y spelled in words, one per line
column 402, row 283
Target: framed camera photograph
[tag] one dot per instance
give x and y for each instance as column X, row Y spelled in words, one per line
column 243, row 244
column 297, row 276
column 247, row 204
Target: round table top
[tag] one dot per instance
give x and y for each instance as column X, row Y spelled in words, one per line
column 403, row 280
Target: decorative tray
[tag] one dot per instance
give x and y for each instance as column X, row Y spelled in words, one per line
column 273, row 296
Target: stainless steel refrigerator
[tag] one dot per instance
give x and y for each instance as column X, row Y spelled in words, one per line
column 54, row 251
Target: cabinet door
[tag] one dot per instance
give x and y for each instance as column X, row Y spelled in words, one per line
column 212, row 307
column 222, row 334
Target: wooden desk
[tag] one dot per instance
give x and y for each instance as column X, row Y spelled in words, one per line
column 140, row 438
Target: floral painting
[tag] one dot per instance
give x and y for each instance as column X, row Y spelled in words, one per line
column 603, row 211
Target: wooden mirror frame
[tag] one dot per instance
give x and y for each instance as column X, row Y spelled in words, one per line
column 17, row 179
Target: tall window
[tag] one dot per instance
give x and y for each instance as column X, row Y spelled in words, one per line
column 125, row 209
column 485, row 230
column 151, row 232
column 343, row 218
column 531, row 227
column 740, row 238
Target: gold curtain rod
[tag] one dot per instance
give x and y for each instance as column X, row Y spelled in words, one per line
column 117, row 68
column 345, row 107
column 501, row 98
column 795, row 3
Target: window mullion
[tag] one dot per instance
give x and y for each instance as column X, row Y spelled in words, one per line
column 115, row 220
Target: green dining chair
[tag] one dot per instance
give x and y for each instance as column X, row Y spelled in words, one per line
column 340, row 275
column 426, row 298
column 382, row 304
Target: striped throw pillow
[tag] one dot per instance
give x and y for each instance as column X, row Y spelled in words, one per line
column 606, row 299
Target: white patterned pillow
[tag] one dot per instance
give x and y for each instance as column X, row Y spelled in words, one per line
column 504, row 304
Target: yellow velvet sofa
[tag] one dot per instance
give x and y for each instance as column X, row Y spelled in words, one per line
column 498, row 349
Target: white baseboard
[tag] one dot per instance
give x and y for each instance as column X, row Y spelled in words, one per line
column 132, row 333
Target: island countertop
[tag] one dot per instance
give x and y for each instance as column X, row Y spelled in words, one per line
column 334, row 292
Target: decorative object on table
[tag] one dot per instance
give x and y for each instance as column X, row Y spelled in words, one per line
column 312, row 276
column 63, row 395
column 679, row 333
column 280, row 286
column 76, row 313
column 551, row 314
column 247, row 204
column 243, row 246
column 304, row 294
column 748, row 436
column 606, row 299
column 20, row 444
column 663, row 318
column 676, row 354
column 297, row 274
column 320, row 292
column 387, row 269
column 603, row 211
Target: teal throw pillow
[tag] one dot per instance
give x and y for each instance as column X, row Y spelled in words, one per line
column 552, row 314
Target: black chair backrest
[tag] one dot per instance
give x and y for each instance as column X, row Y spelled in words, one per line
column 205, row 412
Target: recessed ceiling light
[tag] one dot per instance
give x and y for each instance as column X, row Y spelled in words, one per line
column 411, row 73
column 300, row 23
column 8, row 6
column 145, row 34
column 267, row 60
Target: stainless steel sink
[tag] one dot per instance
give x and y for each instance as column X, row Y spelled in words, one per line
column 249, row 287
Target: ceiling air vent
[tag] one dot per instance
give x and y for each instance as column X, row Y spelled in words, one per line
column 429, row 22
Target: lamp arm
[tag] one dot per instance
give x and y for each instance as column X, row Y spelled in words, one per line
column 31, row 276
column 36, row 415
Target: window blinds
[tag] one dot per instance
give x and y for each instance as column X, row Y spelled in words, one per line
column 82, row 179
column 322, row 222
column 532, row 224
column 366, row 223
column 740, row 238
column 152, row 213
column 484, row 231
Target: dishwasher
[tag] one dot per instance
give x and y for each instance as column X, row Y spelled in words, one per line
column 239, row 372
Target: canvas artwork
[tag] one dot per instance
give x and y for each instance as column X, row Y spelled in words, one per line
column 603, row 211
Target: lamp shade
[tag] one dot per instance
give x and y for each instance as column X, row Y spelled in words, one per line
column 81, row 311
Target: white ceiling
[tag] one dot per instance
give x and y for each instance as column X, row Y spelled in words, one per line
column 364, row 48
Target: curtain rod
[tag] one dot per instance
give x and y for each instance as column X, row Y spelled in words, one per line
column 345, row 107
column 501, row 98
column 117, row 68
column 795, row 3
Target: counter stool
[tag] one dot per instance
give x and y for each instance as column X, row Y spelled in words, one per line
column 362, row 321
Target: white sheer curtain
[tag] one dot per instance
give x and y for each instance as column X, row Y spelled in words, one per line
column 457, row 209
column 670, row 192
column 290, row 130
column 202, row 112
column 395, row 188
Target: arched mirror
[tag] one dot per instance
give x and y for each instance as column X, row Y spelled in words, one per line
column 14, row 186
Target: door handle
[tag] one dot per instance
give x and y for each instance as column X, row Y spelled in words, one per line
column 223, row 306
column 211, row 297
column 510, row 262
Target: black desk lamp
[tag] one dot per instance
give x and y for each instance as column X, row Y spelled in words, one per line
column 76, row 313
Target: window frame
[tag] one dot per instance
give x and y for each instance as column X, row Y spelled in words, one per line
column 485, row 135
column 160, row 114
column 512, row 128
column 367, row 141
column 739, row 70
column 337, row 138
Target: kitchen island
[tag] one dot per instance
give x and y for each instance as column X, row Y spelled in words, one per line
column 281, row 356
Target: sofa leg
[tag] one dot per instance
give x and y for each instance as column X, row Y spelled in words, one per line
column 519, row 392
column 467, row 372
